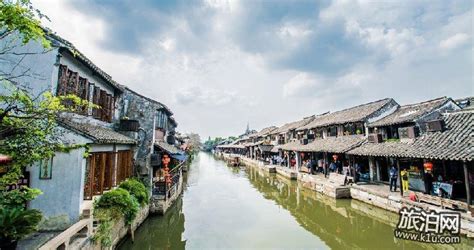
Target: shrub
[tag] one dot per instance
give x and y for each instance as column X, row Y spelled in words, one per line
column 16, row 223
column 117, row 203
column 111, row 207
column 19, row 197
column 136, row 189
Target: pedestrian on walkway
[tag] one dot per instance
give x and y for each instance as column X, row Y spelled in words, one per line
column 393, row 179
column 325, row 169
column 332, row 167
column 404, row 175
column 428, row 182
column 357, row 168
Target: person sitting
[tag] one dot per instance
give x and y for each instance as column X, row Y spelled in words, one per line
column 413, row 196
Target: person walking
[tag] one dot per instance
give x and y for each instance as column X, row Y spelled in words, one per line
column 393, row 179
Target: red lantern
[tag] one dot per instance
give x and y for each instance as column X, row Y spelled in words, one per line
column 428, row 166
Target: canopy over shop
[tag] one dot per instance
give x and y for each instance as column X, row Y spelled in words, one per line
column 447, row 155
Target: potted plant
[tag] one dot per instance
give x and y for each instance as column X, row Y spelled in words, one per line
column 16, row 223
column 127, row 124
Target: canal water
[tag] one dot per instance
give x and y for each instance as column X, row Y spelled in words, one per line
column 226, row 207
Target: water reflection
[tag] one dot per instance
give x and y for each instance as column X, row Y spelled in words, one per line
column 341, row 224
column 224, row 208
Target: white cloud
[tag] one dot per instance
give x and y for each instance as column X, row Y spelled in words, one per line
column 454, row 41
column 204, row 96
column 168, row 44
column 293, row 31
column 394, row 41
column 302, row 85
column 214, row 62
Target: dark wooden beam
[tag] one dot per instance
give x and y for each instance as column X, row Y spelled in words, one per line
column 468, row 186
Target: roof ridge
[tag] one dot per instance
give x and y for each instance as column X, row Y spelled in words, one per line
column 425, row 102
column 364, row 104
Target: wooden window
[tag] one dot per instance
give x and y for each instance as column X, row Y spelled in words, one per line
column 62, row 80
column 100, row 172
column 88, row 182
column 102, row 103
column 83, row 92
column 124, row 165
column 70, row 82
column 110, row 108
column 96, row 111
column 109, row 170
column 73, row 83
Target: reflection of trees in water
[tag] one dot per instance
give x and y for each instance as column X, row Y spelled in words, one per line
column 160, row 232
column 337, row 223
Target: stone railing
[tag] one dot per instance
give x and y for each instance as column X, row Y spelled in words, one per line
column 72, row 238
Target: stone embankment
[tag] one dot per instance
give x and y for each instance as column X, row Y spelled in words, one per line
column 373, row 194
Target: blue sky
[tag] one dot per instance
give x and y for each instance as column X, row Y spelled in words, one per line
column 220, row 64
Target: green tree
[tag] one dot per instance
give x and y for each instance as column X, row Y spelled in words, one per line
column 20, row 16
column 28, row 123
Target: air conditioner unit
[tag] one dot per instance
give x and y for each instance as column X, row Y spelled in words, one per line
column 407, row 132
column 435, row 125
column 375, row 138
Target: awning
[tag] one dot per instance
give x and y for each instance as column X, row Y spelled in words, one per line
column 265, row 148
column 170, row 149
column 180, row 156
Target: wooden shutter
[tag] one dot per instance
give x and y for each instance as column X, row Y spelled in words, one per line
column 103, row 105
column 95, row 100
column 119, row 173
column 75, row 84
column 100, row 161
column 112, row 107
column 124, row 165
column 89, row 180
column 83, row 92
column 108, row 116
column 109, row 170
column 62, row 80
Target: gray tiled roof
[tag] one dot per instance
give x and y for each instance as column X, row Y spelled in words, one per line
column 330, row 144
column 455, row 143
column 354, row 114
column 466, row 102
column 411, row 112
column 291, row 146
column 293, row 125
column 340, row 144
column 263, row 132
column 96, row 133
column 63, row 43
column 232, row 145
